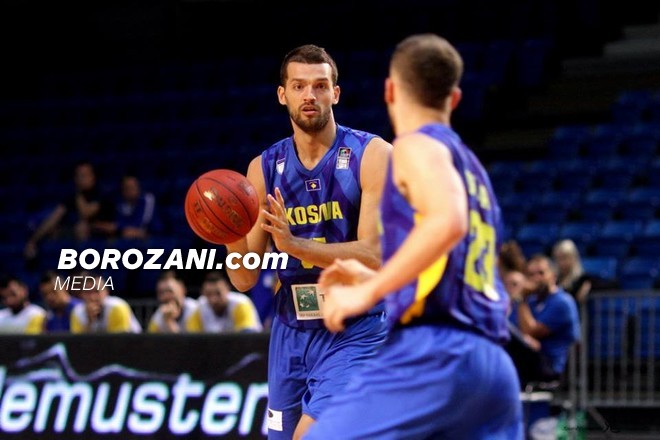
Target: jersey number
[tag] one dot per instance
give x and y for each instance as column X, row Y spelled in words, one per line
column 480, row 260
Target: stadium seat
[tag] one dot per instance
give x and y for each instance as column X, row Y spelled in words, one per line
column 605, row 268
column 582, row 233
column 630, row 106
column 537, row 237
column 647, row 244
column 641, row 266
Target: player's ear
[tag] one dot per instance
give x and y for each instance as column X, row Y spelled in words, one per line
column 280, row 95
column 336, row 91
column 389, row 91
column 456, row 95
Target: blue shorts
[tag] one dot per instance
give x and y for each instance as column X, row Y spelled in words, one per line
column 428, row 382
column 307, row 366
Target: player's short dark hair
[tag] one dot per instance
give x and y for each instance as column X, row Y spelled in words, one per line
column 308, row 54
column 429, row 66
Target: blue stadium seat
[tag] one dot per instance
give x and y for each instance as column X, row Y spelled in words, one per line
column 531, row 61
column 605, row 268
column 582, row 233
column 498, row 59
column 641, row 267
column 630, row 106
column 537, row 237
column 567, row 140
column 647, row 244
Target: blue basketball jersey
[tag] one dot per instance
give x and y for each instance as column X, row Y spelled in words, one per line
column 464, row 286
column 322, row 204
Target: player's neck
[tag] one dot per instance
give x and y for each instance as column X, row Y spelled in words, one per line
column 410, row 119
column 311, row 147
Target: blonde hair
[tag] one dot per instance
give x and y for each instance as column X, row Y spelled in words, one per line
column 568, row 247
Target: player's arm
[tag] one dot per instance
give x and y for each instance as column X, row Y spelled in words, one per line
column 421, row 169
column 366, row 248
column 257, row 239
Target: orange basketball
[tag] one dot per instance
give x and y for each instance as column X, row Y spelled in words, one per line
column 221, row 206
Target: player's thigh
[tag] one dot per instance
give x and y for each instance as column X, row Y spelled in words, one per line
column 287, row 380
column 340, row 356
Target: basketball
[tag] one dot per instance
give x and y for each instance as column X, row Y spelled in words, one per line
column 221, row 206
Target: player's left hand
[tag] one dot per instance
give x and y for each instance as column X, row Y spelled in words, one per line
column 278, row 224
column 342, row 302
column 349, row 271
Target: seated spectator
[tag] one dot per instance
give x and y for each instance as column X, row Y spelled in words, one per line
column 570, row 274
column 544, row 311
column 135, row 212
column 18, row 314
column 175, row 307
column 80, row 216
column 101, row 312
column 59, row 303
column 223, row 310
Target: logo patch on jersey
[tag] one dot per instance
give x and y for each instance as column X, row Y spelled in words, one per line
column 279, row 166
column 343, row 158
column 313, row 185
column 274, row 420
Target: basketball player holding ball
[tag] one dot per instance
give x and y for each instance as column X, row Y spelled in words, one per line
column 320, row 189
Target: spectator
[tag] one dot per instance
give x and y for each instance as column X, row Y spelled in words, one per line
column 101, row 312
column 544, row 311
column 175, row 307
column 511, row 258
column 59, row 303
column 223, row 310
column 19, row 316
column 135, row 212
column 79, row 217
column 570, row 274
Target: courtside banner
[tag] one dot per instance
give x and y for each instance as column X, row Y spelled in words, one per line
column 133, row 386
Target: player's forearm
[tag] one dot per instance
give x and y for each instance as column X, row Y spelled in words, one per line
column 416, row 254
column 322, row 255
column 241, row 278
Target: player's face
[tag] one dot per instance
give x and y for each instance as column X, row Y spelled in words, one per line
column 309, row 95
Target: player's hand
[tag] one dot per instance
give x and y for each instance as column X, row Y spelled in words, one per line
column 349, row 271
column 278, row 224
column 342, row 302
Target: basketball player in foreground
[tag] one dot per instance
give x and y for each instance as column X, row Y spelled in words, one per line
column 320, row 189
column 442, row 373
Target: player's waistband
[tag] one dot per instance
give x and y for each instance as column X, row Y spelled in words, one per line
column 437, row 321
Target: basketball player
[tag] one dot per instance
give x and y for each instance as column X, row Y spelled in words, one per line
column 443, row 372
column 320, row 189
